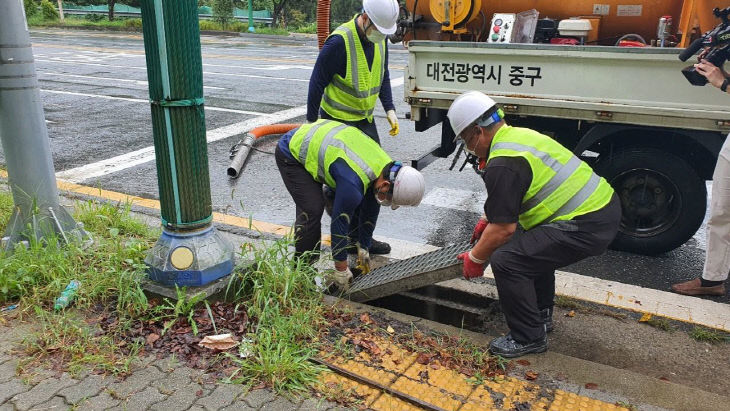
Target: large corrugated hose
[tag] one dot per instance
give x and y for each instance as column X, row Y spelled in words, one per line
column 323, row 21
column 245, row 146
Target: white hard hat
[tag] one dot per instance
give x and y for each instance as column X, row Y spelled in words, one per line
column 383, row 14
column 467, row 109
column 408, row 187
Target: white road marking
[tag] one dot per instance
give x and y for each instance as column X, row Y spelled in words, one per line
column 147, row 154
column 456, row 199
column 205, row 73
column 139, row 100
column 138, row 82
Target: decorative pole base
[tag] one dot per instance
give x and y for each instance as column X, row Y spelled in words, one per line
column 190, row 258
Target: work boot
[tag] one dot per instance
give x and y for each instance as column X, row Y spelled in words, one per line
column 546, row 315
column 376, row 247
column 379, row 247
column 507, row 347
column 694, row 287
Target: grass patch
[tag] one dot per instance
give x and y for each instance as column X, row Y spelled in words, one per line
column 567, row 303
column 6, row 208
column 709, row 335
column 109, row 270
column 661, row 324
column 287, row 308
column 282, row 302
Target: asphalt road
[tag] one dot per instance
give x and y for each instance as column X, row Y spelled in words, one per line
column 95, row 97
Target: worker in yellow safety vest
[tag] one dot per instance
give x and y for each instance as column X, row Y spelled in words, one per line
column 351, row 74
column 341, row 157
column 566, row 211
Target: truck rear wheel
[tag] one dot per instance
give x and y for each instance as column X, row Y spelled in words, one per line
column 663, row 200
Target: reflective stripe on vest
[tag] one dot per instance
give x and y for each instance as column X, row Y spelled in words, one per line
column 562, row 185
column 347, row 98
column 321, row 143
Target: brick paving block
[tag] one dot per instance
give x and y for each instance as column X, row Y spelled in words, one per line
column 280, row 404
column 257, row 398
column 99, row 402
column 55, row 403
column 11, row 388
column 181, row 399
column 312, row 404
column 85, row 388
column 135, row 382
column 238, row 405
column 42, row 392
column 8, row 370
column 224, row 394
column 177, row 379
column 141, row 400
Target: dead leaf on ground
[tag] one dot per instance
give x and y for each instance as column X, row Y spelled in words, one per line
column 423, row 359
column 435, row 366
column 664, row 378
column 591, row 386
column 390, row 330
column 524, row 363
column 219, row 342
column 151, row 338
column 570, row 314
column 365, row 318
column 531, row 375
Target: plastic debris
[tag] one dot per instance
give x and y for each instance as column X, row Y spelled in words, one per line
column 67, row 295
column 8, row 308
column 220, row 342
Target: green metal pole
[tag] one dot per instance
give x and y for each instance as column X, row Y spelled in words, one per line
column 190, row 251
column 251, row 29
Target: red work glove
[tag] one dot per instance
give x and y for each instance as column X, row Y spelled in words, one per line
column 478, row 230
column 471, row 269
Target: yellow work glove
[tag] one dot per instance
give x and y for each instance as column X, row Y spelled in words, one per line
column 363, row 260
column 393, row 120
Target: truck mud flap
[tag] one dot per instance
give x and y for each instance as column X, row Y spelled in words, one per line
column 404, row 275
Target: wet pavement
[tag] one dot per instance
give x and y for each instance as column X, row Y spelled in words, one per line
column 95, row 96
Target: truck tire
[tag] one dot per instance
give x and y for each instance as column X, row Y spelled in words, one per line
column 663, row 200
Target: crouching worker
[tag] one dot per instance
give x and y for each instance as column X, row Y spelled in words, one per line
column 567, row 211
column 342, row 157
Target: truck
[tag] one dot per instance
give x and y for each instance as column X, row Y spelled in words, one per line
column 607, row 90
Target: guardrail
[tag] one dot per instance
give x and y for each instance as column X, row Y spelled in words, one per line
column 265, row 20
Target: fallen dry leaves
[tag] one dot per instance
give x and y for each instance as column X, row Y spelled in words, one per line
column 220, row 342
column 531, row 375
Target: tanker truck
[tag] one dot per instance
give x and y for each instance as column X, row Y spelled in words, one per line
column 603, row 78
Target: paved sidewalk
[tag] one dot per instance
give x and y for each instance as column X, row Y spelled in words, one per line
column 155, row 384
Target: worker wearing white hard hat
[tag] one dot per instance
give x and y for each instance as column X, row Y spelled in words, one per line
column 351, row 75
column 364, row 176
column 565, row 210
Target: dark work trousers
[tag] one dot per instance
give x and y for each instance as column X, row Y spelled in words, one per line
column 307, row 195
column 368, row 128
column 524, row 268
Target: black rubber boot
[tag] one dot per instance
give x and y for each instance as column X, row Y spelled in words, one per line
column 376, row 248
column 546, row 315
column 507, row 347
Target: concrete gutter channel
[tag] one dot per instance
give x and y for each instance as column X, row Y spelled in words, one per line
column 473, row 306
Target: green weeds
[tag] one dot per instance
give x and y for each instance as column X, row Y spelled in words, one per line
column 284, row 306
column 708, row 335
column 287, row 309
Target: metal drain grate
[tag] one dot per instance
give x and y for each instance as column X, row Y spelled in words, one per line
column 404, row 275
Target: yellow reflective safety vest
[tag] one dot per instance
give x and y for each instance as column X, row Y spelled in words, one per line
column 353, row 97
column 563, row 186
column 317, row 145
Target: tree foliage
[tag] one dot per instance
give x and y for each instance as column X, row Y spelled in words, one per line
column 31, row 8
column 49, row 10
column 223, row 12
